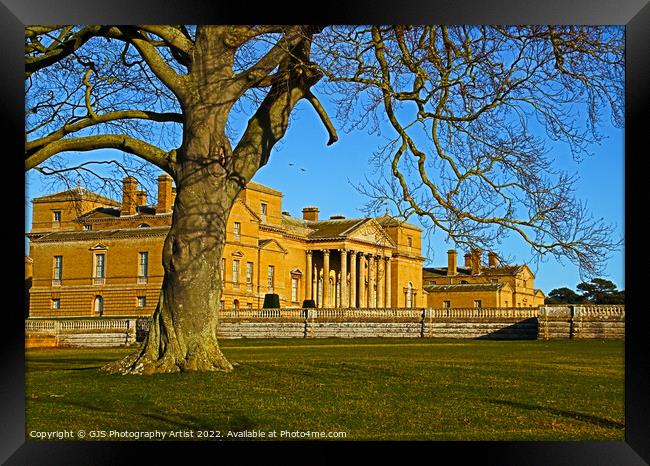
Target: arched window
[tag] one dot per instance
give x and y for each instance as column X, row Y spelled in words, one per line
column 98, row 305
column 236, row 303
column 409, row 295
column 144, row 225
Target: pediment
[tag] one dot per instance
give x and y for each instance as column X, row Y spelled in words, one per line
column 371, row 232
column 272, row 245
column 99, row 247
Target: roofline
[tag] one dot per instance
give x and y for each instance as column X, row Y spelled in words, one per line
column 399, row 222
column 75, row 196
column 120, row 233
column 255, row 186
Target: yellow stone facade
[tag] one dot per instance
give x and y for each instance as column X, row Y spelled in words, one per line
column 96, row 256
column 480, row 285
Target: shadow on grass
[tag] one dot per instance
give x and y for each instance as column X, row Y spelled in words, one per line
column 595, row 420
column 234, row 421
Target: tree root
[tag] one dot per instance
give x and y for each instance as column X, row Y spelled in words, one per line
column 199, row 360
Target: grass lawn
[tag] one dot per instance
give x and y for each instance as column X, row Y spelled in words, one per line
column 372, row 389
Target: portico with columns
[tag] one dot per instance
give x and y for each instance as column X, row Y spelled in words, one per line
column 349, row 278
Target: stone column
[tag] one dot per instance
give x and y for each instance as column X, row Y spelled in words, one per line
column 388, row 302
column 314, row 284
column 372, row 282
column 326, row 277
column 344, row 278
column 362, row 281
column 380, row 281
column 308, row 281
column 353, row 279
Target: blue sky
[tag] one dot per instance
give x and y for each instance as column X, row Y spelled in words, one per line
column 324, row 176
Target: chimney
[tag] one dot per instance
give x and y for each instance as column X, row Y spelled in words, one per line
column 165, row 196
column 476, row 261
column 310, row 213
column 141, row 197
column 128, row 195
column 493, row 260
column 468, row 261
column 451, row 262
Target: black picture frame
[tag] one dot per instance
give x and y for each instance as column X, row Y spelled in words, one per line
column 634, row 14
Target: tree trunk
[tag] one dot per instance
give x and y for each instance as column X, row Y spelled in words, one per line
column 209, row 176
column 183, row 333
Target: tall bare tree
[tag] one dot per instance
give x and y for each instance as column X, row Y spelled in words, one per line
column 167, row 95
column 470, row 112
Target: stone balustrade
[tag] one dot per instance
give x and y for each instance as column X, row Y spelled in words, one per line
column 546, row 322
column 80, row 332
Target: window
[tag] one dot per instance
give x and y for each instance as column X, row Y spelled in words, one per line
column 446, row 304
column 88, row 227
column 237, row 231
column 98, row 305
column 143, row 267
column 144, row 225
column 270, row 275
column 249, row 276
column 142, row 301
column 235, row 304
column 477, row 303
column 263, row 211
column 100, row 269
column 223, row 271
column 506, row 304
column 249, row 305
column 294, row 289
column 235, row 273
column 409, row 244
column 56, row 216
column 58, row 271
column 56, row 303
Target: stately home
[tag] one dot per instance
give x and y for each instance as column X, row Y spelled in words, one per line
column 92, row 255
column 480, row 285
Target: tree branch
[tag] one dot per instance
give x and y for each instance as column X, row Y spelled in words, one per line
column 37, row 144
column 270, row 121
column 175, row 82
column 256, row 73
column 313, row 100
column 162, row 159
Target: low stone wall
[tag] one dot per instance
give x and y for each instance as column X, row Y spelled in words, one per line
column 400, row 323
column 581, row 322
column 547, row 322
column 76, row 332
